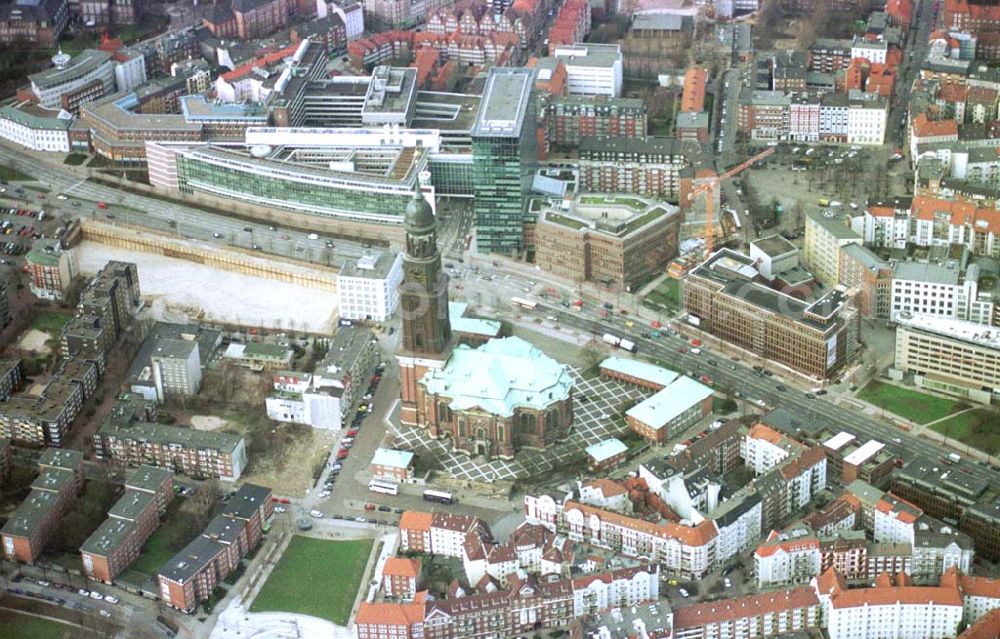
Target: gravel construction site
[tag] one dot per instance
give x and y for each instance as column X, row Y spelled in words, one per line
column 174, row 289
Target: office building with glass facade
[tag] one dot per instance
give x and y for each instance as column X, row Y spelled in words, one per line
column 504, row 152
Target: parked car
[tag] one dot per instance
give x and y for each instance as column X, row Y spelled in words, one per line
column 317, row 514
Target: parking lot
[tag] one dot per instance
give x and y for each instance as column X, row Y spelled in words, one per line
column 18, row 227
column 599, row 403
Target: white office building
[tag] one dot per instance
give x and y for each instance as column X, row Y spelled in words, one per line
column 368, row 289
column 941, row 290
column 72, row 73
column 592, row 69
column 866, row 120
column 35, row 127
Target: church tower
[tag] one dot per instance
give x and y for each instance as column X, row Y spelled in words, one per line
column 423, row 301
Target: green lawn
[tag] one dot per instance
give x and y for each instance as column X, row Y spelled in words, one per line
column 316, row 577
column 10, row 175
column 51, row 322
column 913, row 405
column 15, row 626
column 155, row 554
column 979, row 428
column 75, row 159
column 667, row 294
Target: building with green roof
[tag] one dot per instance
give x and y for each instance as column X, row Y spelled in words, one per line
column 36, row 127
column 499, row 397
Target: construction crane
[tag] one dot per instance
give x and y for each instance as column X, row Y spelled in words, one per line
column 709, row 188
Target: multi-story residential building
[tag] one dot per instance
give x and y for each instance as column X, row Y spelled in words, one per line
column 6, row 459
column 36, row 23
column 324, row 398
column 30, row 527
column 866, row 121
column 618, row 249
column 570, row 119
column 970, row 15
column 591, row 69
column 950, row 356
column 103, row 12
column 503, row 152
column 833, row 117
column 687, row 550
column 829, row 56
column 763, row 448
column 392, row 465
column 726, row 298
column 46, row 417
column 895, row 520
column 176, row 365
column 641, row 165
column 192, row 574
column 872, row 50
column 438, row 533
column 92, row 70
column 113, row 296
column 788, row 557
column 118, row 541
column 128, row 439
column 35, row 127
column 400, row 576
column 926, row 131
column 862, row 271
column 527, row 605
column 51, row 267
column 826, row 233
column 764, row 115
column 767, row 614
column 891, row 608
column 367, row 287
column 804, row 118
column 248, row 19
column 667, row 413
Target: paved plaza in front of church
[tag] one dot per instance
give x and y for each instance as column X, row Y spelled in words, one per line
column 598, row 403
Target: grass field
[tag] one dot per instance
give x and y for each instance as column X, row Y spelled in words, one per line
column 15, row 626
column 316, row 577
column 9, row 174
column 51, row 323
column 155, row 554
column 979, row 428
column 913, row 405
column 667, row 294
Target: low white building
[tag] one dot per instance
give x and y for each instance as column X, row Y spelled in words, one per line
column 368, row 289
column 872, row 50
column 592, row 69
column 35, row 127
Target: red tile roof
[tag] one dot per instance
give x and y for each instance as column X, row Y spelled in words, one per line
column 693, row 536
column 742, row 607
column 988, row 627
column 924, row 128
column 391, row 614
column 262, row 62
column 416, row 520
column 693, row 97
column 890, row 591
column 401, row 567
column 765, row 432
column 830, row 582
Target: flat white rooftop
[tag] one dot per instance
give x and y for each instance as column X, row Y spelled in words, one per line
column 971, row 332
column 839, row 440
column 868, row 450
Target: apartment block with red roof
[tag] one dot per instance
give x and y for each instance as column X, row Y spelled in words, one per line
column 923, row 130
column 400, row 577
column 767, row 614
column 971, row 15
column 693, row 96
column 893, row 607
column 988, row 627
column 789, row 557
